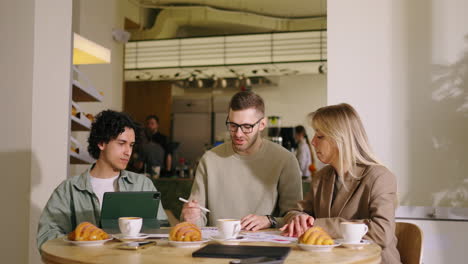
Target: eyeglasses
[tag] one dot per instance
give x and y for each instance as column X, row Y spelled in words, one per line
column 245, row 128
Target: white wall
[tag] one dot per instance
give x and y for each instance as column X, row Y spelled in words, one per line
column 34, row 108
column 294, row 98
column 50, row 106
column 95, row 20
column 404, row 67
column 442, row 115
column 35, row 86
column 360, row 68
column 16, row 69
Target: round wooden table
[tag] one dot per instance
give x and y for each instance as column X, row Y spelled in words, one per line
column 58, row 251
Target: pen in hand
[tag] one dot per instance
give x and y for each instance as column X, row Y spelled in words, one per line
column 201, row 207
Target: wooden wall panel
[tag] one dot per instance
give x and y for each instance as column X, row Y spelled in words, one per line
column 146, row 98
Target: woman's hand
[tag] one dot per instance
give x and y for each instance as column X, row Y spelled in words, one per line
column 297, row 225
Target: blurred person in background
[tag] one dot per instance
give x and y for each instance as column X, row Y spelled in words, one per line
column 148, row 157
column 304, row 153
column 154, row 135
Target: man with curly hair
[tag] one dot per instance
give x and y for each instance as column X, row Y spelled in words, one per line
column 79, row 198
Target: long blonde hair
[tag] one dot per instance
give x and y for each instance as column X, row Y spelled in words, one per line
column 342, row 124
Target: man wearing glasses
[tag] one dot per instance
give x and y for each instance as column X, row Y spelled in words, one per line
column 248, row 178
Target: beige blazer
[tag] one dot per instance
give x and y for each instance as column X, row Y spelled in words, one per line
column 370, row 199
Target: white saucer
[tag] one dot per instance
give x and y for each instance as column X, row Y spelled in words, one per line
column 123, row 237
column 230, row 241
column 184, row 244
column 87, row 243
column 359, row 245
column 318, row 248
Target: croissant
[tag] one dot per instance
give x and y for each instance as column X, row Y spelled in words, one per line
column 316, row 236
column 90, row 117
column 185, row 231
column 87, row 232
column 74, row 111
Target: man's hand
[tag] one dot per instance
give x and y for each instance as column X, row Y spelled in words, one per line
column 191, row 212
column 297, row 225
column 253, row 222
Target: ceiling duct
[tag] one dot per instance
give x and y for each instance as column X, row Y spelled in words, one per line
column 269, row 54
column 171, row 18
column 285, row 9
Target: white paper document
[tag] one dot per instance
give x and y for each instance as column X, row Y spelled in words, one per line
column 259, row 236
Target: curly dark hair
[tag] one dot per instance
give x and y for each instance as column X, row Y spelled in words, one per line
column 109, row 125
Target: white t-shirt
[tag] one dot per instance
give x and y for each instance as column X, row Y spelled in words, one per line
column 100, row 186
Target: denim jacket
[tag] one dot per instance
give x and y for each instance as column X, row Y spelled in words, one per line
column 74, row 201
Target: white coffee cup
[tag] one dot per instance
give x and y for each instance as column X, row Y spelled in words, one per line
column 130, row 226
column 228, row 228
column 353, row 232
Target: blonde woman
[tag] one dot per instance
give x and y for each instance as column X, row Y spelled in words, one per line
column 354, row 186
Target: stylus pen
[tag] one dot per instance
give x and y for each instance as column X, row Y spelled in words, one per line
column 201, row 207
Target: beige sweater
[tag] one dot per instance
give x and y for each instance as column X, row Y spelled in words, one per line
column 233, row 186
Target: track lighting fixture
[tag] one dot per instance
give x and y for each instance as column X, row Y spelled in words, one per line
column 223, row 83
column 248, row 83
column 199, row 83
column 322, row 69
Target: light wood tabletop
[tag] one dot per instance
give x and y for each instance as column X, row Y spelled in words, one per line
column 57, row 251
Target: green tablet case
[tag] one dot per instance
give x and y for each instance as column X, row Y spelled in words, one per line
column 130, row 204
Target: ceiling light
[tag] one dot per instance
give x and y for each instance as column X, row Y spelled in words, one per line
column 144, row 76
column 87, row 52
column 223, row 83
column 323, row 69
column 248, row 83
column 200, row 83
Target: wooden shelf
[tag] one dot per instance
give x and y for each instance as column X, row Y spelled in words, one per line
column 80, row 93
column 80, row 158
column 80, row 123
column 83, row 91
